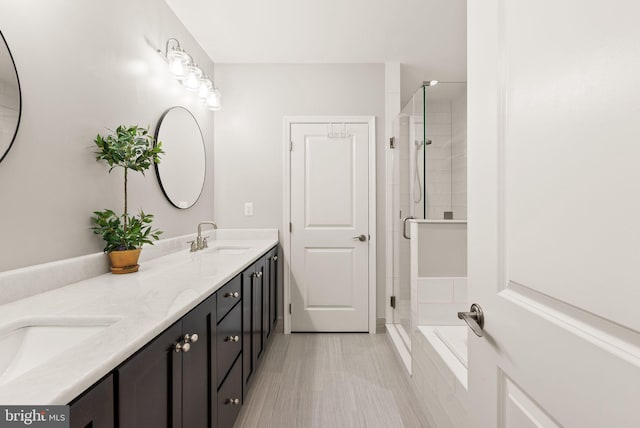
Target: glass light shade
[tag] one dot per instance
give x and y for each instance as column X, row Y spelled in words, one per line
column 206, row 86
column 192, row 77
column 213, row 101
column 178, row 61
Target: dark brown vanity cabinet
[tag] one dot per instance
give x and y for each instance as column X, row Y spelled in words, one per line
column 94, row 408
column 195, row 374
column 149, row 385
column 167, row 383
column 229, row 344
column 259, row 316
column 253, row 280
column 271, row 287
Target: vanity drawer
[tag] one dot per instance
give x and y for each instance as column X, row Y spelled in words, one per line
column 228, row 296
column 228, row 341
column 230, row 397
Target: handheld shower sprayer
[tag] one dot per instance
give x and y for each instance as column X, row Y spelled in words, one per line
column 417, row 185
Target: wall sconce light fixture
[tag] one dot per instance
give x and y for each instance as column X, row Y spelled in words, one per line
column 182, row 66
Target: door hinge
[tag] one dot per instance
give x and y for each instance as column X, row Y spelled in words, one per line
column 290, row 227
column 290, row 145
column 392, row 142
column 289, row 308
column 393, row 302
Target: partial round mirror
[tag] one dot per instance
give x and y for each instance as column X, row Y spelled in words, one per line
column 181, row 170
column 10, row 99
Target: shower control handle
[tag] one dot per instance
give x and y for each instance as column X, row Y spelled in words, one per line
column 360, row 238
column 474, row 319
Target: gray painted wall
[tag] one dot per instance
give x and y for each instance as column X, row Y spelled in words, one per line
column 85, row 66
column 249, row 134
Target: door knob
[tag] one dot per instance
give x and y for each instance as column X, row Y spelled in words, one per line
column 474, row 319
column 360, row 238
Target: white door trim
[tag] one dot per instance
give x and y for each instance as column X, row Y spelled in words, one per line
column 286, row 235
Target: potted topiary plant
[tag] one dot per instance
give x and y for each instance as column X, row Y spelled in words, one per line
column 129, row 148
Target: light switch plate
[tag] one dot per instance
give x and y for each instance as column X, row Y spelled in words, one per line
column 248, row 208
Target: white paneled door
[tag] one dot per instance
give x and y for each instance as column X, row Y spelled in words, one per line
column 554, row 213
column 330, row 227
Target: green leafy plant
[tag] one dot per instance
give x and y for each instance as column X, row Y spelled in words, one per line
column 117, row 237
column 129, row 148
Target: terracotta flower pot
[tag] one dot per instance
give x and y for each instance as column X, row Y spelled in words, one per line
column 125, row 261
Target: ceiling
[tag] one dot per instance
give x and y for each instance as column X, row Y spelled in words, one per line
column 427, row 36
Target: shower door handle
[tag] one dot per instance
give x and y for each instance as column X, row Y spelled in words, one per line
column 474, row 319
column 404, row 226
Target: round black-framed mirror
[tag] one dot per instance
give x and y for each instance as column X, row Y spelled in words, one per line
column 182, row 169
column 10, row 99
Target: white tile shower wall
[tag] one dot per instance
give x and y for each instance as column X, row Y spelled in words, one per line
column 459, row 155
column 440, row 299
column 438, row 125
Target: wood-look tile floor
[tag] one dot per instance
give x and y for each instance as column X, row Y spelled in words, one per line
column 328, row 380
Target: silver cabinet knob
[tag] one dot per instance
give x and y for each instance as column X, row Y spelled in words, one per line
column 235, row 295
column 190, row 338
column 260, row 274
column 232, row 401
column 182, row 347
column 275, row 258
column 474, row 319
column 232, row 338
column 360, row 238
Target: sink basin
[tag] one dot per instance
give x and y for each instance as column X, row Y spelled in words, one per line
column 229, row 250
column 29, row 344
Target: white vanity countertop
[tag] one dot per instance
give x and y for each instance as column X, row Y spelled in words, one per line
column 136, row 306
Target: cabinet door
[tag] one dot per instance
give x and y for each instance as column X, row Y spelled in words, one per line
column 150, row 384
column 95, row 407
column 266, row 298
column 273, row 288
column 247, row 328
column 228, row 347
column 196, row 363
column 229, row 397
column 258, row 306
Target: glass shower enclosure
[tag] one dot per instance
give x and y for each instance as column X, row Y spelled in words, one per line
column 429, row 177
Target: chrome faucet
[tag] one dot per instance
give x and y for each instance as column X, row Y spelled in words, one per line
column 200, row 241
